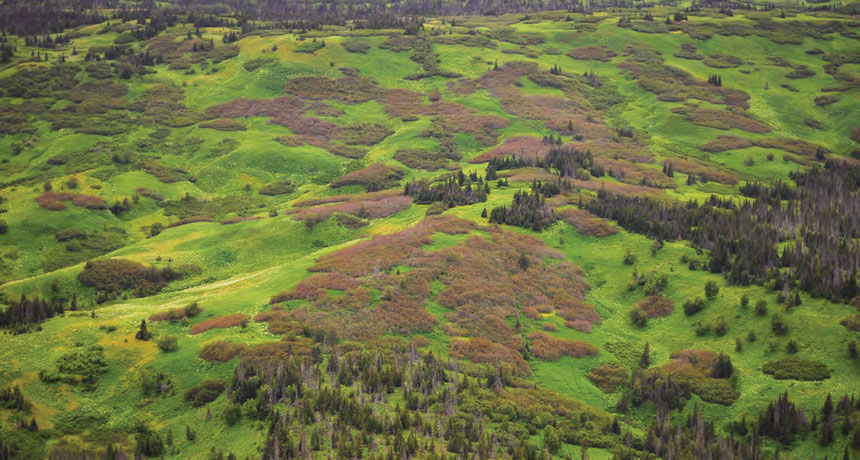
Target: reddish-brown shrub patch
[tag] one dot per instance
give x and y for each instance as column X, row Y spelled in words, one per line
column 721, row 119
column 174, row 314
column 370, row 196
column 409, row 105
column 723, row 143
column 371, row 209
column 398, row 43
column 613, row 187
column 54, row 200
column 675, row 84
column 701, row 170
column 462, row 87
column 236, row 220
column 364, row 133
column 219, row 351
column 190, row 220
column 266, row 353
column 324, row 109
column 149, row 193
column 485, row 280
column 579, row 325
column 348, row 89
column 519, row 146
column 224, row 124
column 608, row 377
column 315, row 286
column 375, row 177
column 226, row 321
column 593, row 53
column 692, row 369
column 545, row 347
column 722, row 61
column 480, row 350
column 655, row 306
column 587, row 223
column 635, row 173
column 429, row 160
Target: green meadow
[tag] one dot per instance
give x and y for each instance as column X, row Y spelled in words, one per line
column 183, row 179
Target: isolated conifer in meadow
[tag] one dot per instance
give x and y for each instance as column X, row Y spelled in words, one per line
column 645, row 360
column 142, row 334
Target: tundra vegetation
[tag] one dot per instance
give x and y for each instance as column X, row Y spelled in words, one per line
column 412, row 230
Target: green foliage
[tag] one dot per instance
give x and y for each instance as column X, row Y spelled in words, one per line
column 793, row 368
column 711, row 289
column 691, row 307
column 278, row 188
column 310, row 46
column 257, row 63
column 204, row 393
column 168, row 344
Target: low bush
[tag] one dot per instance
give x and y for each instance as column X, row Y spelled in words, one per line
column 428, row 160
column 364, row 133
column 226, row 321
column 219, row 351
column 546, row 347
column 722, row 61
column 479, row 350
column 794, row 368
column 356, row 46
column 224, row 124
column 593, row 53
column 852, row 322
column 586, row 223
column 691, row 307
column 257, row 63
column 608, row 376
column 111, row 277
column 656, row 306
column 204, row 393
column 282, row 187
column 377, row 176
column 168, row 344
column 54, row 201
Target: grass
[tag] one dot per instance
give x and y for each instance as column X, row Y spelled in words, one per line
column 244, row 264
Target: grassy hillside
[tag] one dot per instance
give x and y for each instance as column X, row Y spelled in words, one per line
column 332, row 197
